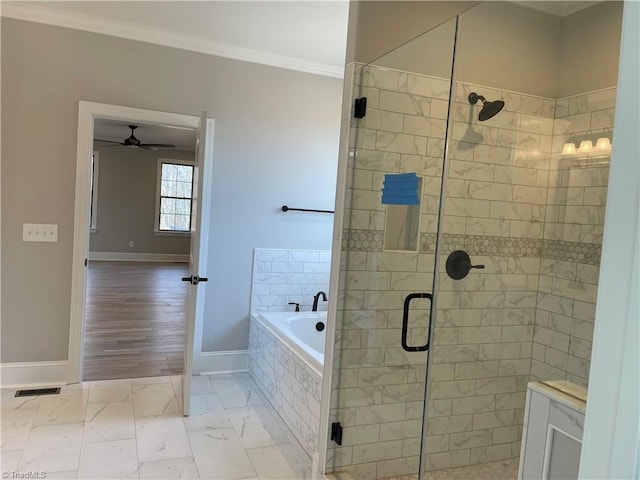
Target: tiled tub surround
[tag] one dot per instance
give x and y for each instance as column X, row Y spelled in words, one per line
column 570, row 265
column 497, row 187
column 291, row 383
column 281, row 276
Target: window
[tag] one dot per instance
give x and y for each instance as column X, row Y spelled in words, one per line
column 94, row 192
column 173, row 203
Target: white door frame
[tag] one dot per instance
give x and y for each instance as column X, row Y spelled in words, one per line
column 87, row 113
column 611, row 440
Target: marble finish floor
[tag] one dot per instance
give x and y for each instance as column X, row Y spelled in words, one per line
column 133, row 428
column 500, row 470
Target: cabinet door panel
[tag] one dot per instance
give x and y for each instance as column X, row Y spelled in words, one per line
column 536, row 436
column 564, row 456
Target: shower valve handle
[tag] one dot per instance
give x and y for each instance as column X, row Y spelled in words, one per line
column 459, row 265
column 469, row 266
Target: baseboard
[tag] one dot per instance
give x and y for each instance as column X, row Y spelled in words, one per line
column 139, row 257
column 222, row 362
column 34, row 374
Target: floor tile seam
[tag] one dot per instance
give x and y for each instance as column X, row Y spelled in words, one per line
column 112, row 440
column 64, row 395
column 135, row 441
column 135, row 433
column 173, row 397
column 246, row 452
column 293, row 439
column 239, row 442
column 305, row 463
column 289, row 435
column 21, row 455
column 175, row 391
column 18, row 468
column 33, row 417
column 129, row 399
column 82, row 443
column 162, row 459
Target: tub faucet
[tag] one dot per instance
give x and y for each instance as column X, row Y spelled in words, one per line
column 316, row 297
column 296, row 304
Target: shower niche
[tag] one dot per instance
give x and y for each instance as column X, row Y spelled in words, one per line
column 402, row 216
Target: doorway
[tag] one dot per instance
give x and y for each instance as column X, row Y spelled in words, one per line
column 88, row 113
column 139, row 250
column 135, row 321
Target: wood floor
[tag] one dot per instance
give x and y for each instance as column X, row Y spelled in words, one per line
column 135, row 320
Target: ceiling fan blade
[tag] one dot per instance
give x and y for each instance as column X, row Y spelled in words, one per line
column 106, row 141
column 157, row 145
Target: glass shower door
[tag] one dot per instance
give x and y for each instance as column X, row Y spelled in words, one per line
column 494, row 195
column 388, row 258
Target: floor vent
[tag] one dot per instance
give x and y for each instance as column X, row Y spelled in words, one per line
column 30, row 392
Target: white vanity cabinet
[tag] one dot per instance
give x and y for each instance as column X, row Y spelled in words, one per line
column 552, row 434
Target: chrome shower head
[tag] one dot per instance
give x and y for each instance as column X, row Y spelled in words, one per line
column 489, row 109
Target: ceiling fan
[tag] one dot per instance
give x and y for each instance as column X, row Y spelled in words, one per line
column 133, row 142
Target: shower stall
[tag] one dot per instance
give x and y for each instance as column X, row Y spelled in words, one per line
column 470, row 238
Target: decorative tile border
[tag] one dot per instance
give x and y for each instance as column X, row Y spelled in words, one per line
column 428, row 242
column 493, row 246
column 586, row 253
column 483, row 245
column 362, row 240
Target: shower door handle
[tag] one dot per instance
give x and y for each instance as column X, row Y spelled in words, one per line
column 405, row 321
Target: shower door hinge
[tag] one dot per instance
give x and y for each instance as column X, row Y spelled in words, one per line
column 360, row 108
column 336, row 432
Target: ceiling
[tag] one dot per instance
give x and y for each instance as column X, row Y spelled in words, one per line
column 304, row 35
column 182, row 138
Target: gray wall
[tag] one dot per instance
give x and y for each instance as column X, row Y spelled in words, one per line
column 493, row 39
column 430, row 54
column 507, row 46
column 127, row 202
column 516, row 48
column 378, row 27
column 587, row 35
column 276, row 142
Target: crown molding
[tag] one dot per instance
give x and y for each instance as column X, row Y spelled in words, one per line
column 38, row 14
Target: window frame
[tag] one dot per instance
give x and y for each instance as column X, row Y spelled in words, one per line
column 174, row 161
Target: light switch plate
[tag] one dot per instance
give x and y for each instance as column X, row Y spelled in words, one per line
column 39, row 232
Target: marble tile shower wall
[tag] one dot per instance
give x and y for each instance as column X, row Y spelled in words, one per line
column 496, row 187
column 281, row 276
column 533, row 219
column 495, row 209
column 573, row 239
